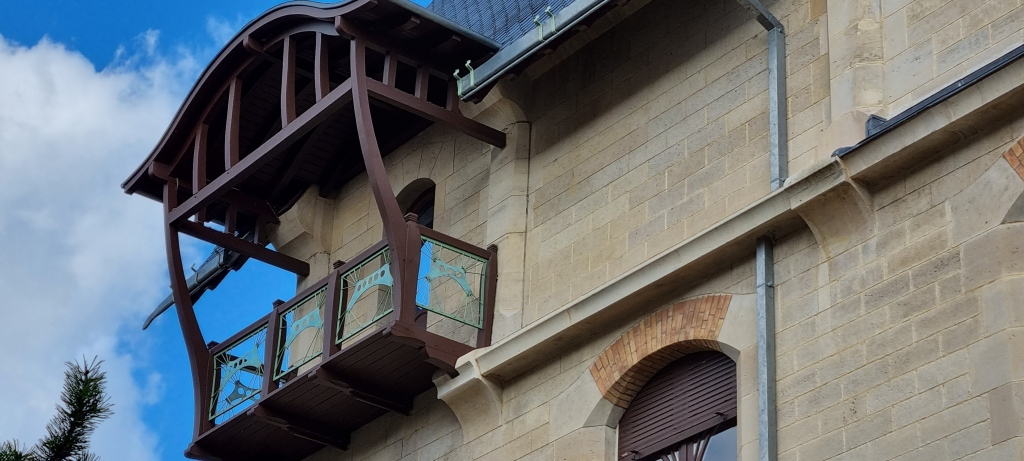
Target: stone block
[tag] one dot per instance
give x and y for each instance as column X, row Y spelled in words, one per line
column 918, row 407
column 886, row 292
column 990, row 363
column 870, row 428
column 984, row 203
column 587, row 444
column 989, row 256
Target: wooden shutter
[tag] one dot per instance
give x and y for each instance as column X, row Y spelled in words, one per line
column 691, row 395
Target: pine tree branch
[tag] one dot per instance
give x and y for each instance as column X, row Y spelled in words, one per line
column 9, row 451
column 84, row 404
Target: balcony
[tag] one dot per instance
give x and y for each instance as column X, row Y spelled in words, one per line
column 317, row 95
column 338, row 355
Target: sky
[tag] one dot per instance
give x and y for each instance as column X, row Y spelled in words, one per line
column 86, row 90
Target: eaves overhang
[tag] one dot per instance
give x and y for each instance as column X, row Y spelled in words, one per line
column 552, row 29
column 435, row 38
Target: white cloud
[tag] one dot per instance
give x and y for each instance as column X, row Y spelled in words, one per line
column 220, row 30
column 81, row 264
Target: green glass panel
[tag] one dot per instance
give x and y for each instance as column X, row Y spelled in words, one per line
column 368, row 294
column 453, row 284
column 238, row 376
column 302, row 326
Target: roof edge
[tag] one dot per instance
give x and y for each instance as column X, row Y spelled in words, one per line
column 524, row 47
column 300, row 8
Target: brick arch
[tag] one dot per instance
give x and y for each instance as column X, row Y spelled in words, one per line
column 635, row 357
column 1015, row 156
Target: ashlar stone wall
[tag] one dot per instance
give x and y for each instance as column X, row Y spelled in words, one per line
column 906, row 345
column 654, row 131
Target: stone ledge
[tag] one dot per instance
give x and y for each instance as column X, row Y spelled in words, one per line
column 893, row 155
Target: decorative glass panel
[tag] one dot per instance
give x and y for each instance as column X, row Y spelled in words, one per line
column 367, row 294
column 302, row 330
column 451, row 283
column 238, row 376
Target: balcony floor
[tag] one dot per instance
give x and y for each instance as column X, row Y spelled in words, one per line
column 381, row 372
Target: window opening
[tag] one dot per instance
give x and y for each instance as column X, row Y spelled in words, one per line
column 423, row 206
column 686, row 412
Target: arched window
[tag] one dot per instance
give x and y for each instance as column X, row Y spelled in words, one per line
column 418, row 197
column 686, row 412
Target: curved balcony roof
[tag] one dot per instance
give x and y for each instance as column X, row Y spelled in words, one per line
column 432, row 38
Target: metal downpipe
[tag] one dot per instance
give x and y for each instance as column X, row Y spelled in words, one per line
column 766, row 409
column 777, row 113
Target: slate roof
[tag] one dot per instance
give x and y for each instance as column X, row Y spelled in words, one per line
column 500, row 20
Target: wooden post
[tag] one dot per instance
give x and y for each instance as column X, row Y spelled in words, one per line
column 199, row 358
column 288, row 81
column 321, row 68
column 234, row 115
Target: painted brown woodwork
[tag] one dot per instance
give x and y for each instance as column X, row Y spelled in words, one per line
column 273, row 136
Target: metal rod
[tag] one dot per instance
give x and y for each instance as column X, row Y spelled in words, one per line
column 766, row 409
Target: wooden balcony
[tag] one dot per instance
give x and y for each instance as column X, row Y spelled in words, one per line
column 307, row 96
column 338, row 355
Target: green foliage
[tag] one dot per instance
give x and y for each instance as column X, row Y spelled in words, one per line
column 84, row 404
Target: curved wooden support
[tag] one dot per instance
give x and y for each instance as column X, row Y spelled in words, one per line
column 404, row 239
column 199, row 357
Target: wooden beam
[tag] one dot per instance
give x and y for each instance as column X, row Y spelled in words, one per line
column 244, row 247
column 288, row 80
column 435, row 113
column 315, row 431
column 264, row 153
column 231, row 219
column 299, row 158
column 401, row 238
column 321, row 68
column 271, row 344
column 332, row 301
column 236, row 198
column 390, row 68
column 362, row 393
column 199, row 158
column 422, row 82
column 199, row 358
column 417, row 56
column 199, row 164
column 234, row 117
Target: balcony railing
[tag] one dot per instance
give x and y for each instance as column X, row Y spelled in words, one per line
column 344, row 335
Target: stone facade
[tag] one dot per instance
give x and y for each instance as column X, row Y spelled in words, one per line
column 625, row 209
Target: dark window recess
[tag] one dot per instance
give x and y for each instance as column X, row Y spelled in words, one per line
column 375, row 64
column 405, row 78
column 681, row 409
column 437, row 91
column 423, row 206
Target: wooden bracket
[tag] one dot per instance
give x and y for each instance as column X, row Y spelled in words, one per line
column 360, row 393
column 244, row 247
column 302, row 427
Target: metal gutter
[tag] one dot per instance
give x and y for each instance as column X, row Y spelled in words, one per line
column 877, row 126
column 207, row 277
column 767, row 429
column 777, row 113
column 767, row 440
column 548, row 27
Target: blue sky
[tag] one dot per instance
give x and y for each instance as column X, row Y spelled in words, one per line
column 86, row 89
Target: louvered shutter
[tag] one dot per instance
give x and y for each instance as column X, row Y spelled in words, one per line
column 691, row 395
